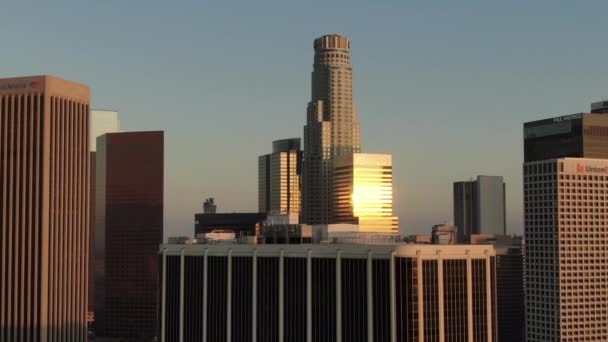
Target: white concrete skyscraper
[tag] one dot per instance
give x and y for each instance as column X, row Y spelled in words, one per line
column 332, row 126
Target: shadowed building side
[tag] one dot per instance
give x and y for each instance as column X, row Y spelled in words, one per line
column 130, row 183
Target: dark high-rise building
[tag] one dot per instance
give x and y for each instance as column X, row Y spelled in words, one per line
column 332, row 126
column 130, row 178
column 101, row 122
column 582, row 135
column 330, row 292
column 44, row 209
column 279, row 178
column 479, row 207
column 510, row 295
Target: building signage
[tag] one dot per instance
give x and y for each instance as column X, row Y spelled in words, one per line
column 592, row 169
column 20, row 86
column 568, row 117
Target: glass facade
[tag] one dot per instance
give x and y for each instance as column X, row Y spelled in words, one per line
column 582, row 135
column 279, row 178
column 363, row 192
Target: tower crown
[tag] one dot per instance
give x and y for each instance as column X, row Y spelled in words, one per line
column 332, row 42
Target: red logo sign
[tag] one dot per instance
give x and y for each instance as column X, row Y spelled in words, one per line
column 35, row 84
column 580, row 168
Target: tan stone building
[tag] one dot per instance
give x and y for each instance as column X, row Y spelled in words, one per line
column 44, row 209
column 566, row 239
column 332, row 126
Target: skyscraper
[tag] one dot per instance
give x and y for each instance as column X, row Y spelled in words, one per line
column 332, row 126
column 130, row 179
column 479, row 207
column 44, row 209
column 101, row 122
column 363, row 192
column 279, row 178
column 565, row 228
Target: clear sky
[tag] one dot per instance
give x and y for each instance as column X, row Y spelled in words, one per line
column 443, row 86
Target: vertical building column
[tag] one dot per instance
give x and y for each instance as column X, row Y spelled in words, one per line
column 339, row 296
column 393, row 299
column 370, row 297
column 421, row 298
column 254, row 297
column 181, row 295
column 205, row 291
column 489, row 292
column 470, row 295
column 309, row 296
column 282, row 296
column 163, row 303
column 440, row 296
column 229, row 298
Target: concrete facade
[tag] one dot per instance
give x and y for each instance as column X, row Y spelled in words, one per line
column 44, row 209
column 565, row 206
column 480, row 207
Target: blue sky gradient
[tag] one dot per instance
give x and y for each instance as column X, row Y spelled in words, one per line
column 444, row 86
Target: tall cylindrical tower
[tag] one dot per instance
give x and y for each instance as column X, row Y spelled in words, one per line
column 332, row 126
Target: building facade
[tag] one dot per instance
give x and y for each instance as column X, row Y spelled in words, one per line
column 510, row 294
column 334, row 292
column 44, row 209
column 279, row 178
column 582, row 135
column 565, row 206
column 332, row 126
column 600, row 107
column 101, row 122
column 130, row 183
column 363, row 192
column 480, row 207
column 239, row 223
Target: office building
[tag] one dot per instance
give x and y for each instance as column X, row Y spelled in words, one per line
column 443, row 234
column 582, row 135
column 239, row 223
column 565, row 208
column 327, row 292
column 101, row 122
column 600, row 107
column 363, row 192
column 44, row 209
column 209, row 207
column 510, row 295
column 130, row 179
column 479, row 207
column 332, row 126
column 279, row 178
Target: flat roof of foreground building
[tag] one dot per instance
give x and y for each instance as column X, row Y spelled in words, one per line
column 331, row 249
